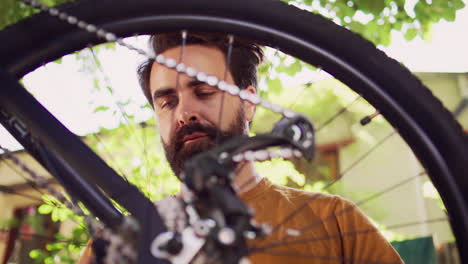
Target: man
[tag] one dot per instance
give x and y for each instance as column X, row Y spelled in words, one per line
column 193, row 117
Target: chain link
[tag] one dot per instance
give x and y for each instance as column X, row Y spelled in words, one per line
column 265, row 154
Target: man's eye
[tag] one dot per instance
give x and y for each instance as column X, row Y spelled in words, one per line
column 169, row 103
column 205, row 93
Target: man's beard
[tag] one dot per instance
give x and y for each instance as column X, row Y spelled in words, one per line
column 177, row 154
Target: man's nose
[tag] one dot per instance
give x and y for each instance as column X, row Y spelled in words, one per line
column 187, row 114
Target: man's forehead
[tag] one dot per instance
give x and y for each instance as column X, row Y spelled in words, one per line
column 207, row 59
column 194, row 54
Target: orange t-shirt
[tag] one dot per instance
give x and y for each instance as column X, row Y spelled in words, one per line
column 333, row 230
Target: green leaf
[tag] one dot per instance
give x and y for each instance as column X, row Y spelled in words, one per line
column 96, row 84
column 275, row 86
column 376, row 6
column 111, row 91
column 385, row 38
column 55, row 246
column 458, row 4
column 411, row 33
column 45, row 209
column 398, row 25
column 450, row 15
column 292, row 69
column 101, row 108
column 36, row 253
column 427, row 33
column 357, row 26
column 55, row 215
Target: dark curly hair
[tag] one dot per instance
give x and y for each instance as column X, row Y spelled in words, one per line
column 245, row 56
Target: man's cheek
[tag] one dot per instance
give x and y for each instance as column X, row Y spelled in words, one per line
column 164, row 130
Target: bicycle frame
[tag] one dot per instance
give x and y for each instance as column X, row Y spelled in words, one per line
column 77, row 179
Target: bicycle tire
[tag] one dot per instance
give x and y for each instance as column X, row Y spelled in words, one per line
column 431, row 131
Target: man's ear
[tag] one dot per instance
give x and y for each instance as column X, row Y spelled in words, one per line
column 249, row 107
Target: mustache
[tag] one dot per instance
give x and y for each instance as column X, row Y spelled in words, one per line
column 210, row 131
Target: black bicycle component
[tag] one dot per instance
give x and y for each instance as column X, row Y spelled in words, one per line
column 216, row 166
column 100, row 246
column 173, row 245
column 296, row 132
column 426, row 126
column 209, row 176
column 210, row 181
column 299, row 132
column 40, row 123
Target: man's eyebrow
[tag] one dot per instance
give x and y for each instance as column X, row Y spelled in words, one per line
column 163, row 92
column 195, row 83
column 166, row 91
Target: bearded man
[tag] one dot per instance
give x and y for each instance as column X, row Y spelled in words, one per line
column 193, row 117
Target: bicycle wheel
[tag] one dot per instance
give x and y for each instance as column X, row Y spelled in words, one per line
column 426, row 126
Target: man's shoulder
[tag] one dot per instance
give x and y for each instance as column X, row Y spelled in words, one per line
column 311, row 198
column 294, row 193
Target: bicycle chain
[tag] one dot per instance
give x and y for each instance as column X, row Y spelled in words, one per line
column 167, row 62
column 264, row 155
column 189, row 71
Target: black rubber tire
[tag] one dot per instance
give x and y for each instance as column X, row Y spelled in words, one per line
column 429, row 129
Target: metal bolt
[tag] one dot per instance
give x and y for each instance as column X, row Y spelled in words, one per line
column 250, row 235
column 244, row 260
column 226, row 236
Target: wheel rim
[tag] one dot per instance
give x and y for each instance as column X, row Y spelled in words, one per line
column 434, row 163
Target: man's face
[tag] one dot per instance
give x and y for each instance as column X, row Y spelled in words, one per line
column 190, row 113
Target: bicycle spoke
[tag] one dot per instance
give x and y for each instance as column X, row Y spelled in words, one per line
column 28, row 181
column 12, row 191
column 360, row 159
column 342, row 211
column 225, row 75
column 389, row 189
column 109, row 155
column 345, row 234
column 337, row 114
column 331, row 259
column 301, row 207
column 266, row 77
column 122, row 111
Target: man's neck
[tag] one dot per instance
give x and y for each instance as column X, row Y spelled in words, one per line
column 246, row 177
column 245, row 180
